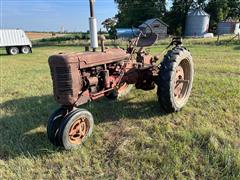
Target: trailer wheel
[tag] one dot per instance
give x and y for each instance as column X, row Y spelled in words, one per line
column 25, row 49
column 54, row 123
column 175, row 79
column 12, row 50
column 122, row 91
column 75, row 128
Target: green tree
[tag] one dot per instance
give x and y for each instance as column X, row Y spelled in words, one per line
column 218, row 10
column 177, row 15
column 234, row 11
column 135, row 12
column 221, row 10
column 109, row 23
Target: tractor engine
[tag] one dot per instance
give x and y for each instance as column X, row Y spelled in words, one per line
column 80, row 77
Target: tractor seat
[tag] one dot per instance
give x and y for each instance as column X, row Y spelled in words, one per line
column 149, row 40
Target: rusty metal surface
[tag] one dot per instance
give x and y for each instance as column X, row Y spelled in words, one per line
column 81, row 77
column 90, row 59
column 181, row 82
column 178, row 85
column 78, row 131
column 67, row 81
column 93, row 81
column 148, row 60
column 67, row 77
column 132, row 76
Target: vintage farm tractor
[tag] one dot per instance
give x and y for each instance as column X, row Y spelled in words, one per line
column 82, row 77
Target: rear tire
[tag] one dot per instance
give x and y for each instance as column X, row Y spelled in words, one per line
column 12, row 50
column 25, row 49
column 175, row 79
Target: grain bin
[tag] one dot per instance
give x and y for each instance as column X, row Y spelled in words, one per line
column 197, row 23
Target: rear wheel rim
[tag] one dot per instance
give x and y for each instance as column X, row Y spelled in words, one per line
column 78, row 130
column 182, row 81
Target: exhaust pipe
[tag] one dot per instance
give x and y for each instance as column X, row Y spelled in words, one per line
column 93, row 27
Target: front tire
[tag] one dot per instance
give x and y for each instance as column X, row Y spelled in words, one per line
column 175, row 79
column 53, row 125
column 75, row 128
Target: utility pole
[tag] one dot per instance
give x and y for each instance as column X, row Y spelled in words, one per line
column 93, row 27
column 91, row 8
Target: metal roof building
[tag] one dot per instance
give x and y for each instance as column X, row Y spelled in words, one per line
column 228, row 27
column 158, row 26
column 197, row 23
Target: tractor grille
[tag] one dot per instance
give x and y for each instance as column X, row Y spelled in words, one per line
column 63, row 80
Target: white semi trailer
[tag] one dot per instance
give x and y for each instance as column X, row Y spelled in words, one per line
column 15, row 41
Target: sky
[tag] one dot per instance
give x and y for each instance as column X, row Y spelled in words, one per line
column 51, row 15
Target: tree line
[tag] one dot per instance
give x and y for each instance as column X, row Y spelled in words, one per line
column 135, row 12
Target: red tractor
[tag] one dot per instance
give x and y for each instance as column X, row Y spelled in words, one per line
column 83, row 77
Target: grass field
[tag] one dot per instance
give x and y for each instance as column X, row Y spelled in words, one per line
column 133, row 138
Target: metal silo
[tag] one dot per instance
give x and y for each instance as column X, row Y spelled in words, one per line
column 197, row 23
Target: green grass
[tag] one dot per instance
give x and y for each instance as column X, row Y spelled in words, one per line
column 132, row 138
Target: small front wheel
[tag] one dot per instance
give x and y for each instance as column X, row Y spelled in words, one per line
column 75, row 128
column 54, row 122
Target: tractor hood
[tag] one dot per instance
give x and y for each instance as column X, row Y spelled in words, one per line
column 89, row 59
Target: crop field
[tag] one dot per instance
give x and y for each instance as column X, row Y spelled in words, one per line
column 133, row 138
column 38, row 35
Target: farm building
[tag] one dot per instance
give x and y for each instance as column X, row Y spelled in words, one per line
column 197, row 23
column 228, row 27
column 158, row 26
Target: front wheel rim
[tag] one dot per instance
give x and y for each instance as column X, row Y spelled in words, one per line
column 78, row 131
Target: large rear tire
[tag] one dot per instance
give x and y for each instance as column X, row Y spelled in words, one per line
column 175, row 79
